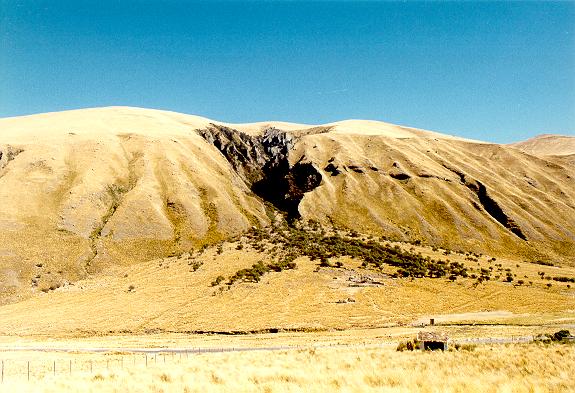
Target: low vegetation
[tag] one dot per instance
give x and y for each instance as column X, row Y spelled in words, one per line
column 288, row 242
column 285, row 242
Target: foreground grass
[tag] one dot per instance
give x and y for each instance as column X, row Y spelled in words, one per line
column 510, row 368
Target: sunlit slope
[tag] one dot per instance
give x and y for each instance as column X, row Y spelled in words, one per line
column 85, row 189
column 546, row 145
column 177, row 294
column 456, row 193
column 111, row 185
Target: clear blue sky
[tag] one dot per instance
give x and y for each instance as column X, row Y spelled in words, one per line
column 494, row 71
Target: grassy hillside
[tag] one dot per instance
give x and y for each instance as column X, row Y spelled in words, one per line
column 89, row 191
column 290, row 278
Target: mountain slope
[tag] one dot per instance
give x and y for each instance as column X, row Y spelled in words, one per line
column 546, row 145
column 83, row 190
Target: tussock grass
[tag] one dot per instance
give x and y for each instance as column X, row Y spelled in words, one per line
column 510, row 368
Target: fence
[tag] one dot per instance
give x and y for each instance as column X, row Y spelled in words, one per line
column 75, row 364
column 61, row 362
column 91, row 361
column 497, row 340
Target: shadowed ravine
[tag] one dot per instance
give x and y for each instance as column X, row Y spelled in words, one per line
column 263, row 163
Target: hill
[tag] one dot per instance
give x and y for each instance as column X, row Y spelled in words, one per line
column 83, row 191
column 548, row 145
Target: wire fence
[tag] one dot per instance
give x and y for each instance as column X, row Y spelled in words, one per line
column 497, row 340
column 76, row 364
column 64, row 362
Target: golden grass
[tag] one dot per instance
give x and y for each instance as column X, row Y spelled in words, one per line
column 54, row 194
column 170, row 296
column 506, row 368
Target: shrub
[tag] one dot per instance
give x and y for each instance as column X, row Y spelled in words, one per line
column 409, row 345
column 293, row 241
column 560, row 335
column 402, row 346
column 564, row 279
column 195, row 265
column 468, row 347
column 544, row 263
column 218, row 281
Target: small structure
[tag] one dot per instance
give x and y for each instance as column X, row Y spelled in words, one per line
column 432, row 341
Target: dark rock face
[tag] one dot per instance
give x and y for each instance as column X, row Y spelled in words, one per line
column 489, row 204
column 398, row 173
column 494, row 210
column 355, row 168
column 332, row 169
column 245, row 153
column 400, row 176
column 263, row 163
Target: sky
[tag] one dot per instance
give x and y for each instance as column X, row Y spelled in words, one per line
column 495, row 71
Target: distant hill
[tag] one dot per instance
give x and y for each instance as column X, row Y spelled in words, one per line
column 84, row 190
column 541, row 145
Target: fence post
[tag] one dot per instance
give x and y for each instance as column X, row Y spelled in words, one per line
column 70, row 366
column 146, row 360
column 28, row 370
column 91, row 367
column 2, row 371
column 54, row 368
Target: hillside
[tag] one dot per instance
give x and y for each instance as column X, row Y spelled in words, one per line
column 88, row 190
column 548, row 145
column 258, row 283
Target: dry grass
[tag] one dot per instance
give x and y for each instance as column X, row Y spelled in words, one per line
column 509, row 368
column 168, row 295
column 179, row 192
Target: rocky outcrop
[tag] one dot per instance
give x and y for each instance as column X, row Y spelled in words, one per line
column 7, row 154
column 262, row 161
column 488, row 203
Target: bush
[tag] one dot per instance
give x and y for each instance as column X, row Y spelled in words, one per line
column 544, row 263
column 560, row 335
column 195, row 265
column 464, row 347
column 409, row 345
column 293, row 241
column 218, row 281
column 564, row 279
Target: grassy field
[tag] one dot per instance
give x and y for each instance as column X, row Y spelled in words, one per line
column 501, row 368
column 342, row 325
column 175, row 295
